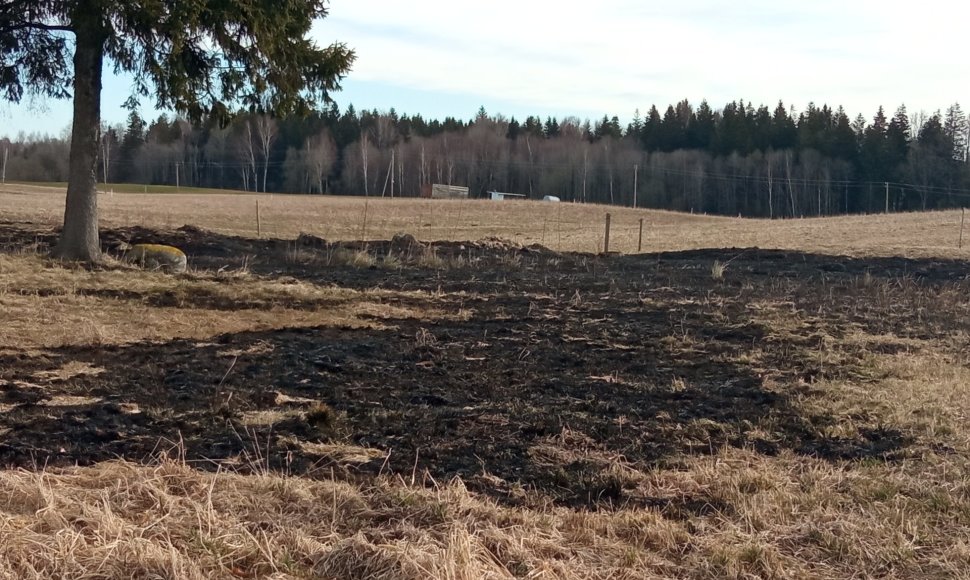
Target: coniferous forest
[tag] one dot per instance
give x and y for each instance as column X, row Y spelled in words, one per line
column 737, row 160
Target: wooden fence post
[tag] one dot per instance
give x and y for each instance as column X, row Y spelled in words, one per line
column 963, row 218
column 606, row 241
column 640, row 242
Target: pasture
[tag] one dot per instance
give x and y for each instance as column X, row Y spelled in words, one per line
column 560, row 227
column 493, row 399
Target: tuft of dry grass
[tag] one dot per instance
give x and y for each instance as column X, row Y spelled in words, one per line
column 717, row 270
column 430, row 259
column 353, row 258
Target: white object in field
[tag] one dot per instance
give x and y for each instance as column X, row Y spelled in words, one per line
column 550, row 198
column 499, row 196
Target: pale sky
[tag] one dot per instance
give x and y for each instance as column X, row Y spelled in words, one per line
column 523, row 57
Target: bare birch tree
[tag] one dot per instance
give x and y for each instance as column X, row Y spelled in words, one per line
column 246, row 154
column 321, row 152
column 266, row 131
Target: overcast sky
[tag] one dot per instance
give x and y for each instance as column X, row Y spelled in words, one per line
column 439, row 58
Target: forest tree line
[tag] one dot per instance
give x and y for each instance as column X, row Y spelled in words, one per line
column 738, row 160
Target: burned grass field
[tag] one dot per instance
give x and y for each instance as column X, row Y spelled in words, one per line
column 489, row 409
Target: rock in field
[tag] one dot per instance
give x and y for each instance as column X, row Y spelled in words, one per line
column 407, row 244
column 310, row 240
column 158, row 257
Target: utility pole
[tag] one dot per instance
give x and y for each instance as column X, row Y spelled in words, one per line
column 585, row 171
column 636, row 167
column 887, row 197
column 176, row 176
column 389, row 178
column 3, row 173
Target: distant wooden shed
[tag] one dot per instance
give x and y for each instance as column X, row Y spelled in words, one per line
column 438, row 191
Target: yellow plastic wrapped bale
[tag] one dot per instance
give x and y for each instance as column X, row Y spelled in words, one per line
column 158, row 257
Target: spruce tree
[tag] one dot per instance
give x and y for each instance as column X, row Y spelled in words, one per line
column 874, row 151
column 198, row 58
column 673, row 133
column 897, row 141
column 702, row 131
column 635, row 127
column 651, row 129
column 845, row 145
column 955, row 128
column 131, row 143
column 761, row 131
column 784, row 132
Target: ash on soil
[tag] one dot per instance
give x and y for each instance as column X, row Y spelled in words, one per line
column 566, row 366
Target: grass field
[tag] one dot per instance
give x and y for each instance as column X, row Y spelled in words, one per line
column 561, row 227
column 471, row 407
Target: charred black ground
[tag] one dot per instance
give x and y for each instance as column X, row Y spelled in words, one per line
column 553, row 368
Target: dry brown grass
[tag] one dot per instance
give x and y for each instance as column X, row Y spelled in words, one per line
column 790, row 517
column 736, row 513
column 567, row 227
column 119, row 520
column 119, row 305
column 759, row 507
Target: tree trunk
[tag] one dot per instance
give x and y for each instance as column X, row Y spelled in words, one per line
column 79, row 239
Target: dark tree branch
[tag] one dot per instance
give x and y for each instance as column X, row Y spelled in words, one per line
column 35, row 26
column 13, row 7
